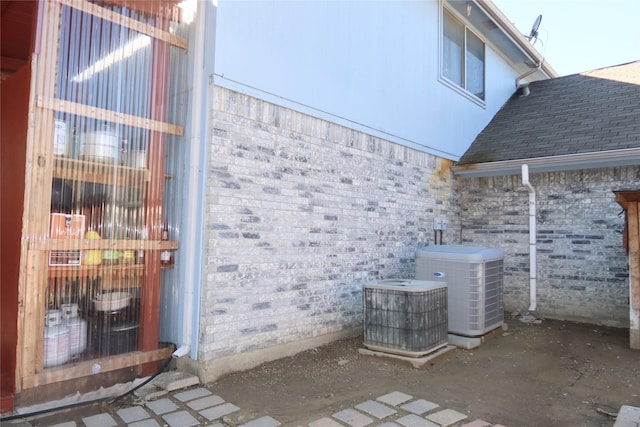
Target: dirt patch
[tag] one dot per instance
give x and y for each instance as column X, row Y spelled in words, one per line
column 550, row 374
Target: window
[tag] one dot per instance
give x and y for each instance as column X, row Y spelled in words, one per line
column 462, row 56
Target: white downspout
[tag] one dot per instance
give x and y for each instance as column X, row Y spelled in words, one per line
column 195, row 184
column 532, row 238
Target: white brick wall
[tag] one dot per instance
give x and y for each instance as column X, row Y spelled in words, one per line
column 582, row 266
column 300, row 213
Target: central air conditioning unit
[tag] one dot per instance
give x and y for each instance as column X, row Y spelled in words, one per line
column 405, row 317
column 474, row 278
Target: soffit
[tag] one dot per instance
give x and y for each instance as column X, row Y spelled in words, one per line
column 486, row 19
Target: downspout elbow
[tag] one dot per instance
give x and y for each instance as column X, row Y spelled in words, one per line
column 530, row 188
column 525, row 86
column 181, row 351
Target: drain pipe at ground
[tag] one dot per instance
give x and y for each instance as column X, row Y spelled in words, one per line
column 532, row 238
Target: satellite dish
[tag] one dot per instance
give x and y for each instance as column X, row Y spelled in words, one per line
column 534, row 28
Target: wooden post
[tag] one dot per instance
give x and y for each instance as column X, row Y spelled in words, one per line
column 40, row 166
column 35, row 222
column 150, row 302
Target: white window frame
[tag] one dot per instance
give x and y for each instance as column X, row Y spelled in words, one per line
column 460, row 88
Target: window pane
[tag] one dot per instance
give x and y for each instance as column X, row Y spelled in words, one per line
column 452, row 49
column 475, row 65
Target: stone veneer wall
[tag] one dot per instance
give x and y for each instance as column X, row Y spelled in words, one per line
column 582, row 266
column 300, row 213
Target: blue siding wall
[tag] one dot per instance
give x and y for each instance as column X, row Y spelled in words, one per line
column 370, row 65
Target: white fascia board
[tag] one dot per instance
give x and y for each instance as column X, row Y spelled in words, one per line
column 600, row 159
column 516, row 37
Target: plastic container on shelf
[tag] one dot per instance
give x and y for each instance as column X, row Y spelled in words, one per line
column 60, row 138
column 92, row 257
column 110, row 257
column 165, row 255
column 144, row 235
column 128, row 257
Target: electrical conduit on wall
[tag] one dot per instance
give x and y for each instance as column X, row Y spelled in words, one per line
column 532, row 238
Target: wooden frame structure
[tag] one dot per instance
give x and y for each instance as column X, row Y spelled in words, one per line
column 42, row 166
column 630, row 202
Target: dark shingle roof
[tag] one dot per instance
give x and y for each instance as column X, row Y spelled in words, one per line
column 593, row 111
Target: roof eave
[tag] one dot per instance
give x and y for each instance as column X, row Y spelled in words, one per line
column 593, row 160
column 507, row 26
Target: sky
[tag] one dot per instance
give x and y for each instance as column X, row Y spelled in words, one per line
column 580, row 35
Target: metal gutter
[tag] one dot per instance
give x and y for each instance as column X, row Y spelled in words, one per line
column 516, row 36
column 599, row 159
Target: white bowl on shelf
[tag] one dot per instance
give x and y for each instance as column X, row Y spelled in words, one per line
column 111, row 301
